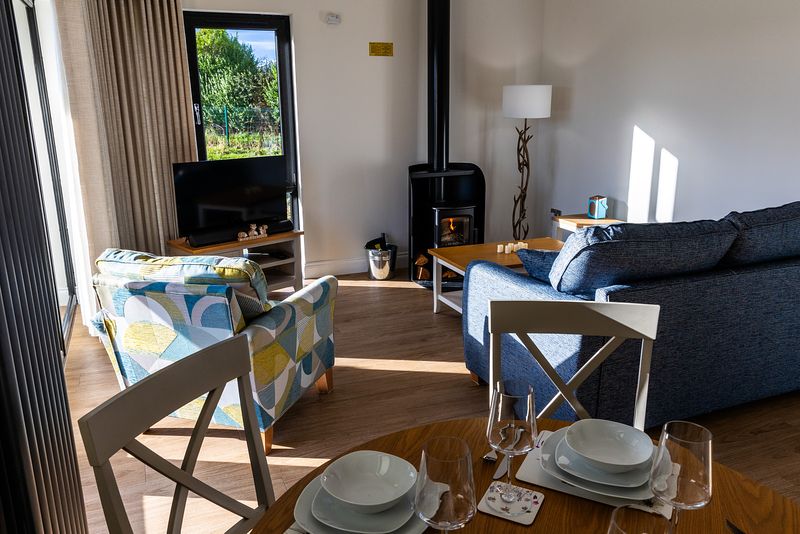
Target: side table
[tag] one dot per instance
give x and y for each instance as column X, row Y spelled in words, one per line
column 574, row 222
column 278, row 255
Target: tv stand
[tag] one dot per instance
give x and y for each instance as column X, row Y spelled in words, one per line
column 277, row 254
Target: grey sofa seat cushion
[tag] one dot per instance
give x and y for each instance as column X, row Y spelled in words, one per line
column 602, row 256
column 765, row 235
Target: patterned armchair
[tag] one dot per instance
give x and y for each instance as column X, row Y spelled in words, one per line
column 156, row 310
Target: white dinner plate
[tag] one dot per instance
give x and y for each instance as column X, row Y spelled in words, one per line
column 548, row 462
column 306, row 520
column 327, row 509
column 573, row 464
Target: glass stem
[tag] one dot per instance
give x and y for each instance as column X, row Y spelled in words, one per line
column 509, row 476
column 673, row 521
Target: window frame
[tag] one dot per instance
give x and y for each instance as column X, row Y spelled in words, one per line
column 71, row 305
column 280, row 24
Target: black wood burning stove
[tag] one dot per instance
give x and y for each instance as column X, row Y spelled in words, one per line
column 447, row 201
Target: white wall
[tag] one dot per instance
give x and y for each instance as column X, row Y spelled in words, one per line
column 362, row 120
column 493, row 44
column 714, row 82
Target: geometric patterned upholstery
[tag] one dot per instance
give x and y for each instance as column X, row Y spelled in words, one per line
column 146, row 325
column 243, row 275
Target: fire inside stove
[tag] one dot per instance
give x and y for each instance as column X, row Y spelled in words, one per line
column 454, row 231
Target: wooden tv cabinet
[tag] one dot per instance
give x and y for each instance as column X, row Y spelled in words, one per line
column 277, row 254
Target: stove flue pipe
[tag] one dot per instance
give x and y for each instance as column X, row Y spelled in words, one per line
column 438, row 84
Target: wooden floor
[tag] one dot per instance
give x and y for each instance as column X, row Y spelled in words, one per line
column 397, row 365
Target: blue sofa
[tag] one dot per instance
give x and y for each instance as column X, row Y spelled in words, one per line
column 729, row 292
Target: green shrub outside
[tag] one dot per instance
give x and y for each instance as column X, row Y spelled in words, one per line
column 240, row 97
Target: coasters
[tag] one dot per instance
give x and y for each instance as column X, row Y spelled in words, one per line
column 522, row 511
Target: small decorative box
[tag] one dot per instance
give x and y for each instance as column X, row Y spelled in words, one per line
column 598, row 206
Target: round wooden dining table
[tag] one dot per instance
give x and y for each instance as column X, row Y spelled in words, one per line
column 736, row 500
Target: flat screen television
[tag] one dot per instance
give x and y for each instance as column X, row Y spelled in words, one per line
column 218, row 199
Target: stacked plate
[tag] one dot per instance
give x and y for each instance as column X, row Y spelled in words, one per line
column 601, row 456
column 364, row 492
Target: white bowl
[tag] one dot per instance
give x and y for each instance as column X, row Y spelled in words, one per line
column 609, row 446
column 369, row 481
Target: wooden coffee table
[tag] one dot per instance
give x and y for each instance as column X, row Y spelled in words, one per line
column 753, row 508
column 457, row 259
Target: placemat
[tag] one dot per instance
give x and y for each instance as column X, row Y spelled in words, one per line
column 531, row 471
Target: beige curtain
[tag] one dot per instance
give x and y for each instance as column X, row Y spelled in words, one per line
column 82, row 149
column 139, row 61
column 90, row 171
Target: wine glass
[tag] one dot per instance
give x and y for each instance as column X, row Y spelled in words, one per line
column 445, row 495
column 681, row 472
column 511, row 429
column 630, row 520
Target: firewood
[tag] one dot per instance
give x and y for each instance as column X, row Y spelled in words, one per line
column 423, row 273
column 449, row 274
column 422, row 259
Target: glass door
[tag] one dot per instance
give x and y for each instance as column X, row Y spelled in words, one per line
column 47, row 161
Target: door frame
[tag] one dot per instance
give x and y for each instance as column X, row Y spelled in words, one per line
column 52, row 155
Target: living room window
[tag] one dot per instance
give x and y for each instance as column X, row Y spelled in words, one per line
column 240, row 69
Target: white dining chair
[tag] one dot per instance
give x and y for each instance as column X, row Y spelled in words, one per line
column 616, row 320
column 115, row 425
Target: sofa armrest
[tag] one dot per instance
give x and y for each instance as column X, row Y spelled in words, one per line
column 320, row 292
column 485, row 281
column 291, row 346
column 294, row 312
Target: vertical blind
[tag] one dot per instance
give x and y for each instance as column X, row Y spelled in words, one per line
column 39, row 480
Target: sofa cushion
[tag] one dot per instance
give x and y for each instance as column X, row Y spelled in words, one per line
column 765, row 235
column 538, row 262
column 245, row 277
column 602, row 256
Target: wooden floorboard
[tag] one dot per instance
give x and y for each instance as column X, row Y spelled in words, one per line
column 397, row 365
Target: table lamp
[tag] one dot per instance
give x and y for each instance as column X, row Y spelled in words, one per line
column 524, row 102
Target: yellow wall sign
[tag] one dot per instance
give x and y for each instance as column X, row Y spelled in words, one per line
column 381, row 49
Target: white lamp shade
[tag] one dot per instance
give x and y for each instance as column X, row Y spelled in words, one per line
column 527, row 101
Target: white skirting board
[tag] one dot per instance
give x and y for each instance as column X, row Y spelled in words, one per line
column 315, row 269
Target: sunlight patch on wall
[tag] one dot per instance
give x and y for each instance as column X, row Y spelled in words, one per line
column 667, row 186
column 640, row 182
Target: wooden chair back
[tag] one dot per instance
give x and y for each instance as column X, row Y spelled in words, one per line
column 115, row 425
column 616, row 320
